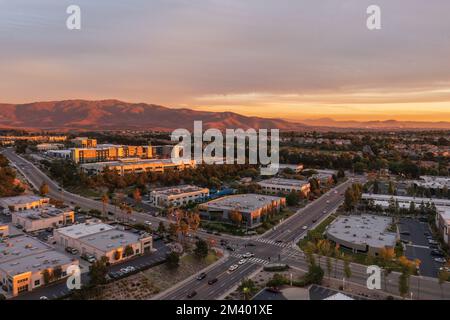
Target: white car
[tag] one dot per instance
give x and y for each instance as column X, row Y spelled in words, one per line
column 147, row 223
column 248, row 255
column 242, row 261
column 440, row 260
column 305, row 227
column 233, row 267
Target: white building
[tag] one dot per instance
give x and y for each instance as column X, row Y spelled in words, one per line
column 278, row 185
column 251, row 207
column 365, row 233
column 60, row 154
column 443, row 223
column 23, row 261
column 20, row 203
column 177, row 196
column 103, row 240
column 384, row 200
column 42, row 218
column 431, row 182
column 49, row 146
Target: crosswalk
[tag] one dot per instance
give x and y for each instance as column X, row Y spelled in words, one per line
column 251, row 260
column 274, row 242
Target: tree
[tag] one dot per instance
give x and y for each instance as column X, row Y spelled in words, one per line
column 117, row 255
column 2, row 297
column 247, row 288
column 376, row 187
column 105, row 200
column 161, row 227
column 293, row 198
column 443, row 276
column 403, row 284
column 128, row 251
column 98, row 271
column 236, row 217
column 347, row 267
column 277, row 280
column 329, row 267
column 47, row 276
column 172, row 260
column 391, row 188
column 314, row 275
column 57, row 272
column 43, row 189
column 201, row 249
column 137, row 196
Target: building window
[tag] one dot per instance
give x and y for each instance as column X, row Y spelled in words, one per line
column 37, row 283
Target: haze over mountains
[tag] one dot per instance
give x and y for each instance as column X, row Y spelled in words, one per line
column 118, row 115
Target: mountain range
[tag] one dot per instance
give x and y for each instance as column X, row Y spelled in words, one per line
column 114, row 115
column 118, row 115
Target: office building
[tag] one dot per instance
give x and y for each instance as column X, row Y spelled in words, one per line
column 278, row 185
column 103, row 240
column 384, row 200
column 177, row 196
column 24, row 202
column 124, row 166
column 24, row 261
column 251, row 207
column 42, row 218
column 443, row 223
column 365, row 233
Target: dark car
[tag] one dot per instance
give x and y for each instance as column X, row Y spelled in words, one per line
column 212, row 281
column 405, row 233
column 192, row 294
column 250, row 244
column 229, row 248
column 437, row 253
column 201, row 276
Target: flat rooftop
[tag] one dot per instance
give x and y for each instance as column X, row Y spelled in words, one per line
column 242, row 202
column 364, row 229
column 110, row 239
column 284, row 182
column 24, row 254
column 12, row 201
column 444, row 213
column 84, row 229
column 133, row 161
column 173, row 191
column 41, row 213
column 387, row 197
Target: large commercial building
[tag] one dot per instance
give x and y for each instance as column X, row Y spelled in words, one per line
column 23, row 261
column 49, row 146
column 443, row 223
column 102, row 240
column 177, row 196
column 434, row 183
column 278, row 185
column 384, row 200
column 251, row 207
column 109, row 152
column 21, row 203
column 125, row 166
column 365, row 233
column 84, row 142
column 42, row 218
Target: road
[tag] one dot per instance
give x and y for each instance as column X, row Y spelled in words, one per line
column 275, row 245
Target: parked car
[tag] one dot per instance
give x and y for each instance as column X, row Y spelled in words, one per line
column 437, row 253
column 201, row 276
column 148, row 223
column 405, row 233
column 192, row 294
column 230, row 248
column 72, row 250
column 88, row 257
column 242, row 261
column 248, row 255
column 212, row 281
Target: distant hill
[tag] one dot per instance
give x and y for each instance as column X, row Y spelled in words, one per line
column 377, row 125
column 116, row 115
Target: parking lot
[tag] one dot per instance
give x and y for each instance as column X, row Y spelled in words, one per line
column 415, row 233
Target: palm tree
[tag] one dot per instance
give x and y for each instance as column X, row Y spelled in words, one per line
column 105, row 200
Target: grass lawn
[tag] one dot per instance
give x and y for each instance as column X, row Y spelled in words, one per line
column 144, row 285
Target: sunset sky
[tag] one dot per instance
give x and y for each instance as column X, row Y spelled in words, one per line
column 293, row 59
